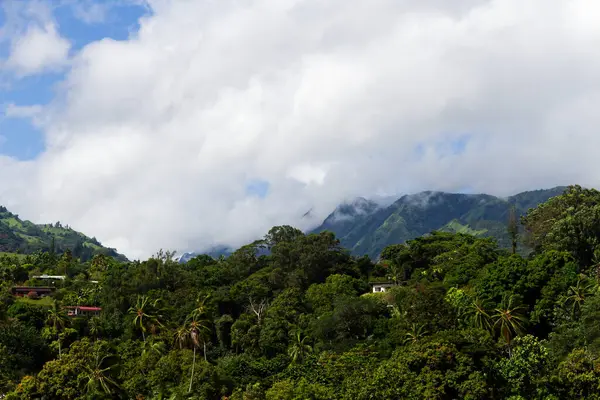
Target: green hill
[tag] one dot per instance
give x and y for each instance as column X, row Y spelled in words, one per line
column 366, row 228
column 25, row 237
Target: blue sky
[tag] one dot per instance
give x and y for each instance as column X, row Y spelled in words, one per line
column 19, row 138
column 258, row 187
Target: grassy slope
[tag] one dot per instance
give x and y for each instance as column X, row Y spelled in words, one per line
column 456, row 227
column 25, row 237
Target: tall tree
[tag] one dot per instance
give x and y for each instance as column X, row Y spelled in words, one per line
column 192, row 332
column 143, row 314
column 298, row 350
column 480, row 316
column 66, row 262
column 57, row 320
column 578, row 293
column 569, row 222
column 258, row 309
column 280, row 234
column 95, row 327
column 513, row 228
column 201, row 307
column 510, row 318
column 98, row 375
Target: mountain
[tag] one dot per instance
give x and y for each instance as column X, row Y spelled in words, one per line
column 25, row 237
column 214, row 252
column 185, row 257
column 217, row 252
column 367, row 228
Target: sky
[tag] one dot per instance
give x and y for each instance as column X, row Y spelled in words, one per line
column 187, row 124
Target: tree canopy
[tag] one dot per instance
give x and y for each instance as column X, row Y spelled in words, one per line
column 294, row 316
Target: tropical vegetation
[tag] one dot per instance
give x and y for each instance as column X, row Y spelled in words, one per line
column 293, row 316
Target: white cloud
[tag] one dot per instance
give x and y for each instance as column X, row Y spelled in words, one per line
column 89, row 11
column 39, row 49
column 153, row 140
column 308, row 174
column 36, row 46
column 14, row 111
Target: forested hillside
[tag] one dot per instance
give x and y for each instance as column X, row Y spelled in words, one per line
column 462, row 318
column 366, row 228
column 25, row 237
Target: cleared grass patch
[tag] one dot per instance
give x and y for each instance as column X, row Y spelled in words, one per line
column 43, row 302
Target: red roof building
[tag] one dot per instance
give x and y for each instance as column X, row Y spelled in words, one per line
column 83, row 311
column 25, row 290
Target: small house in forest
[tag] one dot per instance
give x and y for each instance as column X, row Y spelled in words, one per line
column 83, row 311
column 381, row 287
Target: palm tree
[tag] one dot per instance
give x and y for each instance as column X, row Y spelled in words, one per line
column 95, row 327
column 299, row 349
column 513, row 228
column 510, row 318
column 577, row 294
column 98, row 377
column 182, row 336
column 193, row 330
column 416, row 333
column 394, row 273
column 479, row 315
column 201, row 308
column 142, row 311
column 57, row 320
column 199, row 324
column 198, row 329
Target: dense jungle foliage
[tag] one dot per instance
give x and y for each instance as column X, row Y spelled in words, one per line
column 465, row 319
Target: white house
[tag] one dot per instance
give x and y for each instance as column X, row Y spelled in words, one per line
column 381, row 287
column 83, row 311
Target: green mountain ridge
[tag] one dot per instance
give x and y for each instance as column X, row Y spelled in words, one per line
column 25, row 237
column 367, row 228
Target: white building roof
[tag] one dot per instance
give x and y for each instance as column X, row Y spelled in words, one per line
column 62, row 277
